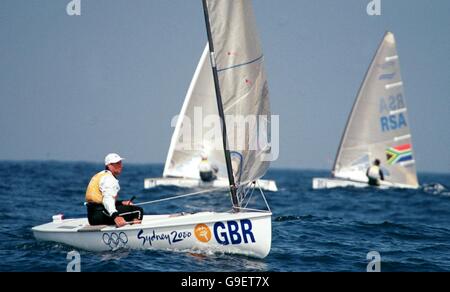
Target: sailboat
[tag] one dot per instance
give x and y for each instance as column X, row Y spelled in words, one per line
column 182, row 165
column 378, row 128
column 241, row 230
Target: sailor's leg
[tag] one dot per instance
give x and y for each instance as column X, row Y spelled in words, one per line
column 97, row 215
column 206, row 176
column 129, row 213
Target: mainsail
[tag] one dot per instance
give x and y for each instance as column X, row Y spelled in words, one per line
column 378, row 126
column 243, row 86
column 188, row 144
column 239, row 61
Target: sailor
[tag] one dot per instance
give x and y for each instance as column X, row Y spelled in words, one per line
column 103, row 208
column 374, row 173
column 207, row 172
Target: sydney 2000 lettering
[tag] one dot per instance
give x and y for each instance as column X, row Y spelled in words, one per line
column 225, row 233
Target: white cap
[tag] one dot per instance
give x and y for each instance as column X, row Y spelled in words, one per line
column 112, row 158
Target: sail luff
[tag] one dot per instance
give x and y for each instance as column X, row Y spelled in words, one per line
column 181, row 116
column 355, row 105
column 220, row 108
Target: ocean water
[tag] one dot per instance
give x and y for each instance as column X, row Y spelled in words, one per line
column 329, row 230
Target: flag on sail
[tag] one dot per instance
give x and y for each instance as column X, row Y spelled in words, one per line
column 399, row 154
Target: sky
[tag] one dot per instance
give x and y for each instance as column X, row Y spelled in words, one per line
column 74, row 88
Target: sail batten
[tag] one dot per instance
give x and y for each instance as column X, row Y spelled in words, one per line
column 393, row 85
column 402, row 138
column 391, row 58
column 239, row 65
column 378, row 126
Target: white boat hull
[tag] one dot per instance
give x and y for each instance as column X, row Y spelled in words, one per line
column 246, row 233
column 330, row 183
column 267, row 185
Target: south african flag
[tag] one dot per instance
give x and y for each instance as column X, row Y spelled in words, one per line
column 399, row 154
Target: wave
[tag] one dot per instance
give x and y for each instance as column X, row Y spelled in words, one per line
column 435, row 189
column 293, row 218
column 384, row 224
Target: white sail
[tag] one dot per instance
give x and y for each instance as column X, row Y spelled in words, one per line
column 244, row 91
column 242, row 80
column 184, row 156
column 378, row 127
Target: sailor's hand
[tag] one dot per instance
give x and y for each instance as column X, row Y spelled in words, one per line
column 127, row 203
column 120, row 221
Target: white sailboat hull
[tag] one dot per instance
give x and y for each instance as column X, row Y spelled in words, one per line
column 330, row 183
column 246, row 233
column 267, row 185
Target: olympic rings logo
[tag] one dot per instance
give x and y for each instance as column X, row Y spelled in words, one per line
column 114, row 240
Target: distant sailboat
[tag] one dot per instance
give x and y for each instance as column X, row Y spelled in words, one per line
column 182, row 165
column 230, row 26
column 378, row 128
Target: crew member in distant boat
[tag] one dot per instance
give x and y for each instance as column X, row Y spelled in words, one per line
column 375, row 174
column 208, row 172
column 103, row 208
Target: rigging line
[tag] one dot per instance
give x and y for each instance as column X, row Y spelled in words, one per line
column 180, row 196
column 247, row 188
column 264, row 197
column 255, row 210
column 242, row 193
column 251, row 195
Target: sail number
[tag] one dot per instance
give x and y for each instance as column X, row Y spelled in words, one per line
column 392, row 113
column 233, row 232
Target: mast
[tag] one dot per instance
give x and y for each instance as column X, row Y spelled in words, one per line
column 220, row 108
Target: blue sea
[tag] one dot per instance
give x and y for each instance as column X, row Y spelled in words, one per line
column 329, row 230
